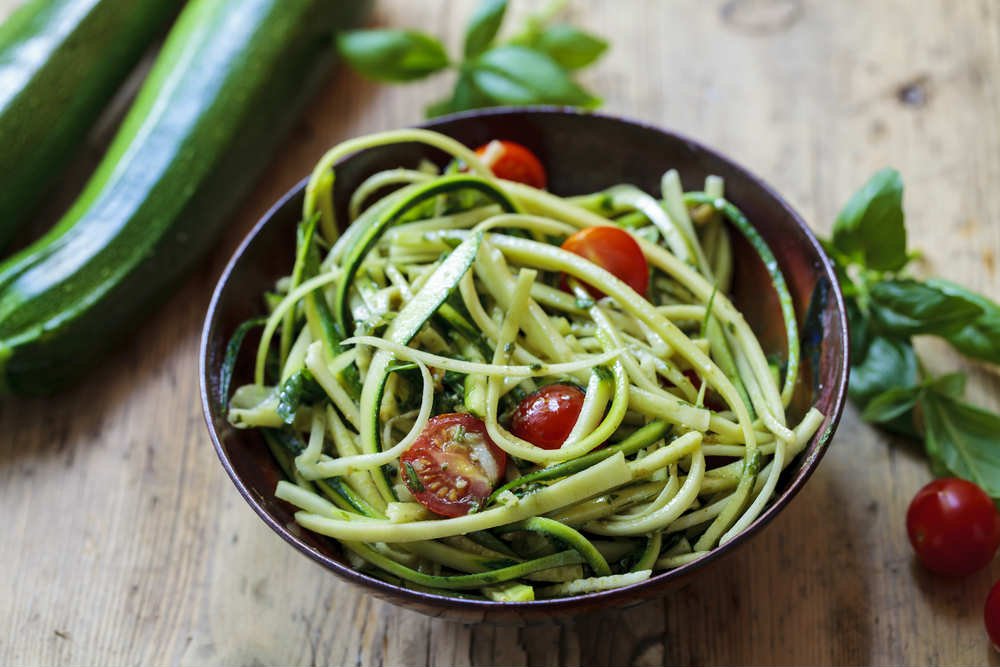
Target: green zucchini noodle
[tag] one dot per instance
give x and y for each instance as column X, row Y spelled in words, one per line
column 448, row 292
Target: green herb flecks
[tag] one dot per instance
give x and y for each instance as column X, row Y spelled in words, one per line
column 412, row 480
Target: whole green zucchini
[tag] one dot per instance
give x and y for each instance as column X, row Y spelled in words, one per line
column 60, row 63
column 233, row 75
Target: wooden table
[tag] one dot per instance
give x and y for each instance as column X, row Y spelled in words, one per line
column 125, row 542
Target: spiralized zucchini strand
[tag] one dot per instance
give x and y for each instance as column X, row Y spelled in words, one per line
column 453, row 291
column 342, row 466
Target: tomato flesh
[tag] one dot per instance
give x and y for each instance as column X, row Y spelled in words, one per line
column 546, row 417
column 513, row 162
column 953, row 527
column 615, row 251
column 991, row 615
column 453, row 465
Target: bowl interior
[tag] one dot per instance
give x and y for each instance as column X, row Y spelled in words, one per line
column 582, row 153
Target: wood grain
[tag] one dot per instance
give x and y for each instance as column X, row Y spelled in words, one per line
column 126, row 544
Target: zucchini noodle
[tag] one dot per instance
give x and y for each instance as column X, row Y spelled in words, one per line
column 450, row 298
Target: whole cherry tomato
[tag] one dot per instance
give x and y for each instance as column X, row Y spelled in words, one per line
column 953, row 526
column 513, row 162
column 546, row 417
column 453, row 465
column 991, row 615
column 615, row 251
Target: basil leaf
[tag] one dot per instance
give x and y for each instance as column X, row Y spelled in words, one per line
column 961, row 440
column 483, row 26
column 979, row 339
column 464, row 96
column 392, row 55
column 891, row 404
column 888, row 364
column 570, row 47
column 439, row 108
column 909, row 307
column 519, row 75
column 870, row 228
column 949, row 384
column 893, row 409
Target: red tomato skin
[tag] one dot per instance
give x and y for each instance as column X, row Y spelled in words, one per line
column 615, row 251
column 991, row 615
column 453, row 477
column 547, row 416
column 712, row 400
column 513, row 162
column 954, row 527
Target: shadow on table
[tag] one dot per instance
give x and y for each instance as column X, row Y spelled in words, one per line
column 796, row 594
column 959, row 601
column 775, row 601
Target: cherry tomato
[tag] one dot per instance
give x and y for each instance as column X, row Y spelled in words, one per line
column 453, row 465
column 953, row 526
column 991, row 615
column 615, row 251
column 513, row 162
column 546, row 417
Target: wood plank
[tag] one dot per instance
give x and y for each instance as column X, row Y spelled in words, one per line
column 127, row 544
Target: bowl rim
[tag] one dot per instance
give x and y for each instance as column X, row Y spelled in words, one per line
column 587, row 600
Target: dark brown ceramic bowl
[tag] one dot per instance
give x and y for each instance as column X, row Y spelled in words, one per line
column 582, row 153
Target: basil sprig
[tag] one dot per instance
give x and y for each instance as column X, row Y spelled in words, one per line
column 535, row 66
column 886, row 308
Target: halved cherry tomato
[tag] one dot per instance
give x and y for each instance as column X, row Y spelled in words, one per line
column 953, row 526
column 513, row 162
column 546, row 417
column 453, row 465
column 615, row 251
